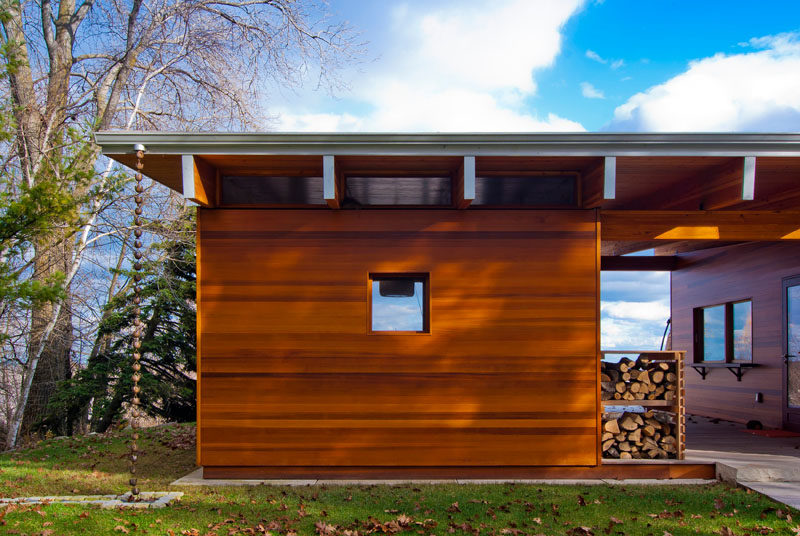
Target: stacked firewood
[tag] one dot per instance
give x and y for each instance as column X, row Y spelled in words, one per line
column 642, row 379
column 650, row 434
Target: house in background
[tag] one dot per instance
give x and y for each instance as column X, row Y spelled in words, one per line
column 428, row 304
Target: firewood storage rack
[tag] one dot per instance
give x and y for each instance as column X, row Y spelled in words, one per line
column 638, row 398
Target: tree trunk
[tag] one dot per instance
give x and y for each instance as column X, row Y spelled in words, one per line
column 54, row 364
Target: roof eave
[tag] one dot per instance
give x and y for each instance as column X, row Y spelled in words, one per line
column 455, row 144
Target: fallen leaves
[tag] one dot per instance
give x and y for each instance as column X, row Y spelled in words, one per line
column 324, row 529
column 580, row 531
column 667, row 515
column 454, row 507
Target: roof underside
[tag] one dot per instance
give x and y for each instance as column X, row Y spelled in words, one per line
column 672, row 171
column 551, row 151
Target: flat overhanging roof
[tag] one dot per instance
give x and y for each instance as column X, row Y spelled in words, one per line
column 455, row 144
column 650, row 188
column 615, row 171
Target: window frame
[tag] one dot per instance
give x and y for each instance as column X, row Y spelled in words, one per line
column 424, row 278
column 698, row 328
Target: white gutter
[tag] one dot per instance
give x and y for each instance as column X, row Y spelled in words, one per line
column 459, row 144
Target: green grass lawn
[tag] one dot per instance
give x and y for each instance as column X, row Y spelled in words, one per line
column 97, row 465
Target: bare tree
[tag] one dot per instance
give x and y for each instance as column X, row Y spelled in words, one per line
column 145, row 64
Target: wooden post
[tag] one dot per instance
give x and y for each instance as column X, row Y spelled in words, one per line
column 331, row 182
column 464, row 183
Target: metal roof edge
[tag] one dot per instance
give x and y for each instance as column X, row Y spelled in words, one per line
column 472, row 143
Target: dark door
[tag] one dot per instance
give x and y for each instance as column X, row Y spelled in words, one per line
column 791, row 351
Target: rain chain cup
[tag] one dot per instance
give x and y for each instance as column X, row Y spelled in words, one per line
column 137, row 322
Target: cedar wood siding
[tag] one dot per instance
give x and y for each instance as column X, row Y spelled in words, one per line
column 747, row 271
column 290, row 377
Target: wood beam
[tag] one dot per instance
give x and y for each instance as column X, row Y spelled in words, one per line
column 609, row 248
column 737, row 226
column 599, row 183
column 676, row 248
column 199, row 180
column 639, row 264
column 331, row 182
column 464, row 183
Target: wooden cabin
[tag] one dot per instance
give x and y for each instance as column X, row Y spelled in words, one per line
column 428, row 305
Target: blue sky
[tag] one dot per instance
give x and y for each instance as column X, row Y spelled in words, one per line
column 565, row 65
column 542, row 65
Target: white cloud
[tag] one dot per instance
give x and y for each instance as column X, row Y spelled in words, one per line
column 318, row 122
column 592, row 55
column 631, row 335
column 614, row 64
column 751, row 91
column 591, row 92
column 634, row 309
column 446, row 111
column 653, row 310
column 459, row 68
column 633, row 325
column 634, row 286
column 489, row 48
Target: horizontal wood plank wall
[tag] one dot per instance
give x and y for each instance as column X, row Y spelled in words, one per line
column 290, row 377
column 747, row 271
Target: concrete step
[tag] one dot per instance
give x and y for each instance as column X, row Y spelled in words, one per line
column 741, row 467
column 758, row 473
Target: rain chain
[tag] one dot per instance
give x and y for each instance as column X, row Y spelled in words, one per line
column 137, row 321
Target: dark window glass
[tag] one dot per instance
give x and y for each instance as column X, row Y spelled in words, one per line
column 714, row 333
column 398, row 304
column 255, row 190
column 397, row 191
column 743, row 331
column 525, row 191
column 793, row 346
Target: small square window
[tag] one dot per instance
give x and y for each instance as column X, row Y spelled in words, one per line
column 398, row 303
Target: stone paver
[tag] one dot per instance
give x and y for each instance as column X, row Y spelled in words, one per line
column 148, row 499
column 783, row 492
